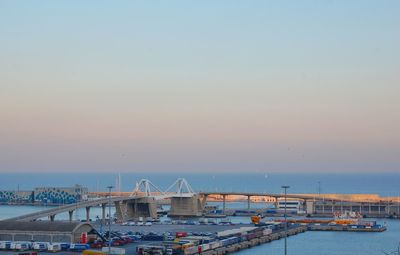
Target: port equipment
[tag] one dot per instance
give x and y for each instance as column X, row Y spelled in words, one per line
column 285, row 187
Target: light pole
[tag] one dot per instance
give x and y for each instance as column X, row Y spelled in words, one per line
column 109, row 218
column 285, row 188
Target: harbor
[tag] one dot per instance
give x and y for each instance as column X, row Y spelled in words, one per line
column 199, row 127
column 190, row 224
column 186, row 237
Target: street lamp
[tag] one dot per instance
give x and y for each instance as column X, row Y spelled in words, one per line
column 109, row 218
column 285, row 188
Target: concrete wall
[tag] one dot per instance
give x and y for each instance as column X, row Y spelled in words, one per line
column 139, row 207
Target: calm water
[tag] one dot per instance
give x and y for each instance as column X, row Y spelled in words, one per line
column 384, row 184
column 334, row 243
column 327, row 243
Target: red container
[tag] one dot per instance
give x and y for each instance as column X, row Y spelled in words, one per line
column 180, row 234
column 84, row 237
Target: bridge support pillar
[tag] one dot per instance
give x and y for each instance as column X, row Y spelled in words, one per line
column 88, row 214
column 186, row 206
column 103, row 214
column 138, row 207
column 223, row 203
column 121, row 210
column 276, row 203
column 310, row 206
column 70, row 213
column 203, row 202
column 248, row 202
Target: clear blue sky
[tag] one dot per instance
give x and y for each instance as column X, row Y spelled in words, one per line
column 200, row 86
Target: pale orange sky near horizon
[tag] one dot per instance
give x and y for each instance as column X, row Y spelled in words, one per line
column 220, row 95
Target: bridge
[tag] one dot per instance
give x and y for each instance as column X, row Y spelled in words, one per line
column 142, row 202
column 51, row 213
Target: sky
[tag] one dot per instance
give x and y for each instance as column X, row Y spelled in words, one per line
column 200, row 86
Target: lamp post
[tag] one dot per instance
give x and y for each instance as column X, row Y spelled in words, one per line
column 109, row 218
column 285, row 188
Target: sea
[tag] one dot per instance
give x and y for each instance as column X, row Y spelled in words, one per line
column 325, row 243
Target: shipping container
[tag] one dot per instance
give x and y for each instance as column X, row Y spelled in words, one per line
column 114, row 251
column 267, row 231
column 93, row 252
column 180, row 234
column 79, row 247
column 190, row 250
column 215, row 245
column 205, row 247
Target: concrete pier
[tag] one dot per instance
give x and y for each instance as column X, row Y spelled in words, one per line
column 186, row 206
column 255, row 241
column 70, row 214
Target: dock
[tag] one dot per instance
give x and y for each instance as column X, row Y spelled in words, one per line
column 256, row 241
column 348, row 228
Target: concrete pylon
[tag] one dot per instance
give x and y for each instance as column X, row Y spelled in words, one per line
column 88, row 214
column 140, row 207
column 186, row 206
column 185, row 202
column 70, row 214
column 146, row 188
column 121, row 210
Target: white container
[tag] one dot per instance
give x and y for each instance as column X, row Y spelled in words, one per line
column 267, row 231
column 205, row 247
column 215, row 245
column 114, row 251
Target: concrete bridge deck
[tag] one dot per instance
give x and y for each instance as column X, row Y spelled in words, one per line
column 67, row 208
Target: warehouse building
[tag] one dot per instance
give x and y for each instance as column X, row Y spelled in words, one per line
column 43, row 231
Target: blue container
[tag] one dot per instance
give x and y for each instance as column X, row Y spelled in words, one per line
column 79, row 247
